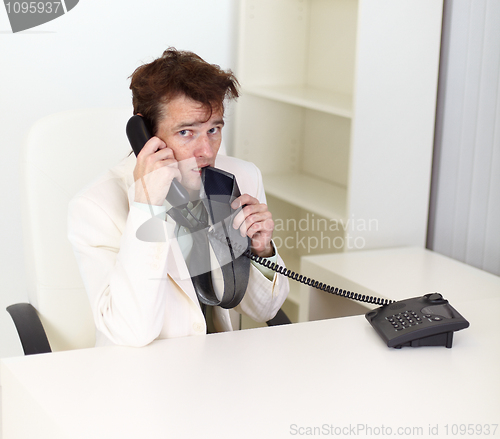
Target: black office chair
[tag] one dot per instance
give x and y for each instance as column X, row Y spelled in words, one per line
column 279, row 319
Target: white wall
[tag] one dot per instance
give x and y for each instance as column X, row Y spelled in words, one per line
column 83, row 59
column 465, row 203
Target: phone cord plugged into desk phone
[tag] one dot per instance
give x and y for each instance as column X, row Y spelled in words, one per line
column 428, row 320
column 419, row 321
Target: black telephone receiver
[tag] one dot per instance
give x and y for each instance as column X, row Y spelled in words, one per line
column 138, row 133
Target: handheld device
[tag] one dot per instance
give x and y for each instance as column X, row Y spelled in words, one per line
column 139, row 132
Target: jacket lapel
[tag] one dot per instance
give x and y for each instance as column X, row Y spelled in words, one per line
column 177, row 269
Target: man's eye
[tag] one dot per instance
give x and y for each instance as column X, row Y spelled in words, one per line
column 183, row 132
column 213, row 130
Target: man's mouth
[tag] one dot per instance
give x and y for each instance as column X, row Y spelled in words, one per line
column 199, row 168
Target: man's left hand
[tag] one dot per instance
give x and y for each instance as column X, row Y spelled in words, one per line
column 256, row 222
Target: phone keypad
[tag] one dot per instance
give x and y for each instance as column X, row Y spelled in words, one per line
column 403, row 320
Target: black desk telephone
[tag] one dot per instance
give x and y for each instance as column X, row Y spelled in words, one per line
column 420, row 321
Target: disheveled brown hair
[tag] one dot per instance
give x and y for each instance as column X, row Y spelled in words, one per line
column 178, row 73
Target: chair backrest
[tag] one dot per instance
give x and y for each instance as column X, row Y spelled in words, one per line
column 62, row 154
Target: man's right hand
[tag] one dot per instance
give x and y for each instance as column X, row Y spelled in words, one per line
column 154, row 171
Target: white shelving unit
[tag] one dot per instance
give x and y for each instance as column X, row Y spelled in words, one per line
column 337, row 109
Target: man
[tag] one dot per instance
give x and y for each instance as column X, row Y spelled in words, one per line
column 141, row 291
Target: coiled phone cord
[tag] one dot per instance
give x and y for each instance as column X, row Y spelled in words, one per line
column 314, row 283
column 303, row 279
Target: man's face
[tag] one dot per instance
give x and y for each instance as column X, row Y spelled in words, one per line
column 194, row 139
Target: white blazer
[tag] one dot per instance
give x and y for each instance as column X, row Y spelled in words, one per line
column 141, row 291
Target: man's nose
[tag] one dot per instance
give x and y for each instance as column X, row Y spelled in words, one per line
column 204, row 147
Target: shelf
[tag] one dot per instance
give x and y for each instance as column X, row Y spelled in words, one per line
column 317, row 196
column 338, row 124
column 339, row 104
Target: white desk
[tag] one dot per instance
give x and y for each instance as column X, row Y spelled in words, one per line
column 263, row 383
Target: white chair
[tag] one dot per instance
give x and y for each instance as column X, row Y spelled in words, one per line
column 63, row 153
